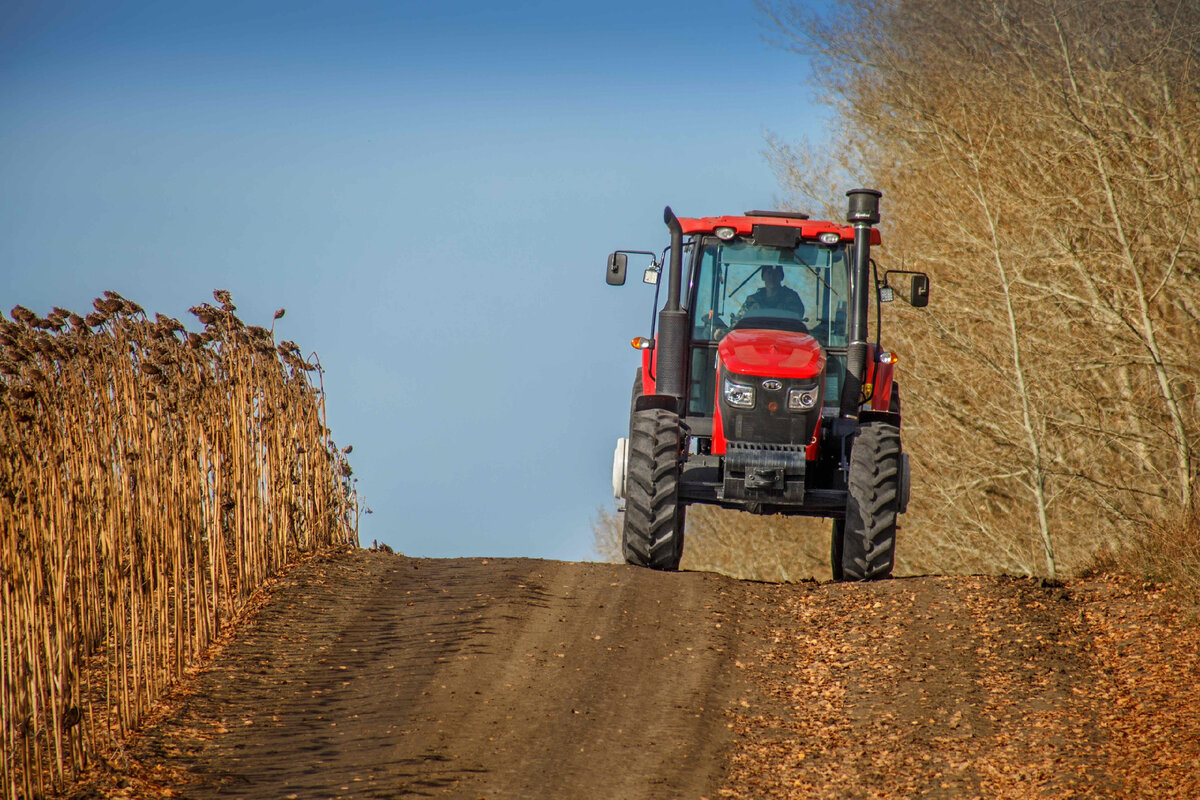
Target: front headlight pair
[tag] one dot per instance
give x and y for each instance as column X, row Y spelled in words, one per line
column 740, row 395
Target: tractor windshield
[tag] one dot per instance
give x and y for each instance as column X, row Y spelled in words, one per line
column 744, row 285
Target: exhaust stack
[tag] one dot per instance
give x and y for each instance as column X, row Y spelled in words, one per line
column 672, row 320
column 863, row 213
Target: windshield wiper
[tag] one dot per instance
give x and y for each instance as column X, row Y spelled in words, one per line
column 743, row 283
column 816, row 274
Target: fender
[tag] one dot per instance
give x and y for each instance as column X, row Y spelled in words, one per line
column 663, row 401
column 649, row 368
column 871, row 415
column 880, row 378
column 883, row 379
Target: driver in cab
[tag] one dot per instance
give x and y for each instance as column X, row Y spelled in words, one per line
column 773, row 294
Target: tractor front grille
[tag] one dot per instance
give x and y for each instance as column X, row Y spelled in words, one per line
column 762, row 425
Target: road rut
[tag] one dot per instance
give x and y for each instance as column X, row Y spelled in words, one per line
column 382, row 676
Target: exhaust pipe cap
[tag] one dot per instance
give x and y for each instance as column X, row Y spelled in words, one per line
column 864, row 206
column 671, row 220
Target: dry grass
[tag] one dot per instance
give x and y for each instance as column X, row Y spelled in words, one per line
column 736, row 543
column 1166, row 552
column 150, row 480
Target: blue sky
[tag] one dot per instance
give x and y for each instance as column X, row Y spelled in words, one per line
column 430, row 189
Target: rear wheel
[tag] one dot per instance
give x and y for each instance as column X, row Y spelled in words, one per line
column 868, row 546
column 653, row 531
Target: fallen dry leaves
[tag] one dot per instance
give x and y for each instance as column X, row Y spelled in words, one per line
column 967, row 687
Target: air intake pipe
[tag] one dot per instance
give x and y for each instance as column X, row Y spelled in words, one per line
column 672, row 320
column 863, row 213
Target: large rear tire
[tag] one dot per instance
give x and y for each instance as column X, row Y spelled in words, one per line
column 652, row 535
column 869, row 531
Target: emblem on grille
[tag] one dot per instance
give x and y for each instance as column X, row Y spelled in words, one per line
column 772, row 385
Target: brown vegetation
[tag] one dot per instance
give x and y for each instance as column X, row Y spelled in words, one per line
column 1167, row 552
column 150, row 480
column 1041, row 160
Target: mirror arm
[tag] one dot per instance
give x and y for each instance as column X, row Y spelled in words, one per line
column 653, row 331
column 653, row 261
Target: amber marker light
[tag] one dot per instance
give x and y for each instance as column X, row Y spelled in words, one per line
column 641, row 343
column 888, row 358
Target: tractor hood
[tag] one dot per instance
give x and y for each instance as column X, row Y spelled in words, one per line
column 772, row 354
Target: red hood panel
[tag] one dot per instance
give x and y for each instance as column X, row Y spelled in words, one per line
column 772, row 354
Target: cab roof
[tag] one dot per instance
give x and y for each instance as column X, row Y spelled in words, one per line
column 744, row 225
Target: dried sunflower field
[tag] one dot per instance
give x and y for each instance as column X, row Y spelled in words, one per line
column 150, row 479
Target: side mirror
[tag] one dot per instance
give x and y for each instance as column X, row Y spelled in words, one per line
column 918, row 287
column 918, row 292
column 617, row 262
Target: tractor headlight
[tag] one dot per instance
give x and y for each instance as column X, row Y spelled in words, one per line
column 739, row 395
column 801, row 399
column 725, row 233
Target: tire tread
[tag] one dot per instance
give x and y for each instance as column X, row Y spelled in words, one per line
column 869, row 533
column 653, row 530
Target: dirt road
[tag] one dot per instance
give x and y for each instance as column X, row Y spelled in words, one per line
column 371, row 675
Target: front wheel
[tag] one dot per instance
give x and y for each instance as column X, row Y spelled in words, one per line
column 868, row 548
column 652, row 535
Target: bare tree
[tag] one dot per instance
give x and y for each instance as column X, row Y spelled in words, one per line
column 1040, row 158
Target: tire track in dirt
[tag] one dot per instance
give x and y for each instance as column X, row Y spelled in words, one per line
column 382, row 676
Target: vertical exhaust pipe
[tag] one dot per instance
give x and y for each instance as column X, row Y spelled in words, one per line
column 672, row 320
column 863, row 213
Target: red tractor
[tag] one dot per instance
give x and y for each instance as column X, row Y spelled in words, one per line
column 760, row 391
